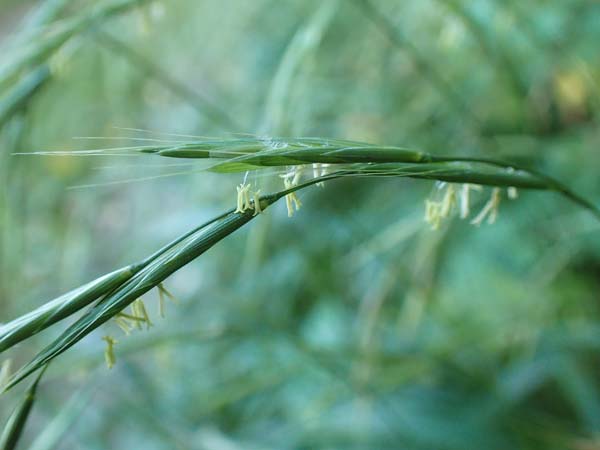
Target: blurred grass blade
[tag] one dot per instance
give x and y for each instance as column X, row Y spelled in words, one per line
column 44, row 43
column 47, row 12
column 52, row 434
column 304, row 42
column 18, row 95
column 16, row 422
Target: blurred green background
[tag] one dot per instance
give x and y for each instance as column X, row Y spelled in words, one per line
column 351, row 325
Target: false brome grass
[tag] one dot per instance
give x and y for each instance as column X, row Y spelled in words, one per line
column 336, row 158
column 300, row 162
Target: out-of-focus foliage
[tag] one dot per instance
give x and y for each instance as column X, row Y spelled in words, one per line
column 351, row 325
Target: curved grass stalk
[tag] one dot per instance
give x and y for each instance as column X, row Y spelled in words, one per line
column 160, row 266
column 48, row 314
column 157, row 267
column 18, row 95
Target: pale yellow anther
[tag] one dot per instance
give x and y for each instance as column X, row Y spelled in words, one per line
column 465, row 198
column 297, row 174
column 436, row 211
column 292, row 201
column 123, row 324
column 162, row 293
column 243, row 198
column 256, row 200
column 109, row 352
column 448, row 202
column 490, row 209
column 139, row 311
column 432, row 214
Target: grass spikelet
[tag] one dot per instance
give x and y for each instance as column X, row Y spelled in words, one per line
column 359, row 158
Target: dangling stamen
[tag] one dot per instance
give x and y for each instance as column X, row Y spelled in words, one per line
column 109, row 352
column 139, row 310
column 436, row 211
column 292, row 201
column 162, row 293
column 243, row 198
column 465, row 198
column 123, row 324
column 256, row 200
column 448, row 202
column 432, row 214
column 490, row 209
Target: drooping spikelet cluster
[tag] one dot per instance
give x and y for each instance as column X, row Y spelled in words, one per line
column 136, row 318
column 450, row 197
